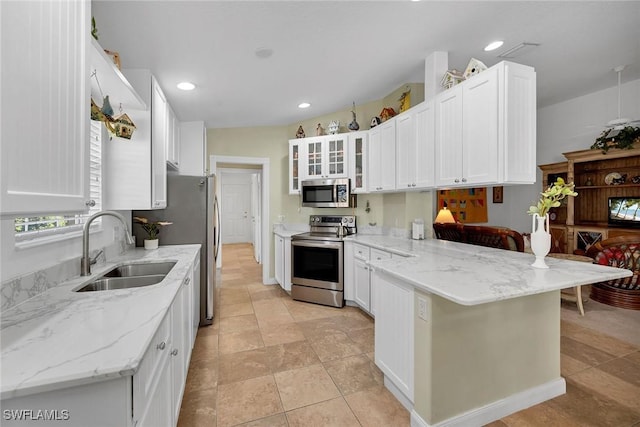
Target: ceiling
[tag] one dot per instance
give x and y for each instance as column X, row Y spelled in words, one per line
column 334, row 53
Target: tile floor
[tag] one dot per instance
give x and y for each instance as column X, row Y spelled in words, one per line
column 270, row 361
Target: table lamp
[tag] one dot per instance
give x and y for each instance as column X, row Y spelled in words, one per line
column 444, row 217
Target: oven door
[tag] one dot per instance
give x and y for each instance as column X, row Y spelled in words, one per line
column 317, row 263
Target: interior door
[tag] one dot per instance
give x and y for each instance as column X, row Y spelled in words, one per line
column 255, row 216
column 235, row 208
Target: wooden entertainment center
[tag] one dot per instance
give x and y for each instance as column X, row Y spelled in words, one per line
column 583, row 220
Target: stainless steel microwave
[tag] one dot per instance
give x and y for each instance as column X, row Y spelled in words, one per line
column 326, row 193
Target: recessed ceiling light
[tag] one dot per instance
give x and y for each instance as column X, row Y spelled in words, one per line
column 493, row 45
column 264, row 52
column 519, row 50
column 186, row 86
column 304, row 105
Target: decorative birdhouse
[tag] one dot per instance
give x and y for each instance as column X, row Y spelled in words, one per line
column 124, row 126
column 474, row 67
column 334, row 126
column 387, row 113
column 451, row 78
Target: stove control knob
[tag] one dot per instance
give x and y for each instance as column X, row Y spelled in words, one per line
column 350, row 220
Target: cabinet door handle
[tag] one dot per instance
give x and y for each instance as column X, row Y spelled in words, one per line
column 464, row 179
column 413, row 185
column 90, row 203
column 187, row 281
column 161, row 346
column 456, row 180
column 174, row 352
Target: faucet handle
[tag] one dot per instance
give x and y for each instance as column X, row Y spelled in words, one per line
column 95, row 258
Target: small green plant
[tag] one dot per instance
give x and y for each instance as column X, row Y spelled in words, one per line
column 151, row 227
column 624, row 138
column 552, row 197
column 94, row 29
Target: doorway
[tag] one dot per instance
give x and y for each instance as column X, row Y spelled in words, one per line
column 258, row 213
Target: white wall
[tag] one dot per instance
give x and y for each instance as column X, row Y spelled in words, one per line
column 567, row 126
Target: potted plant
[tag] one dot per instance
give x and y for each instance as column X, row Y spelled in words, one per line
column 550, row 198
column 153, row 229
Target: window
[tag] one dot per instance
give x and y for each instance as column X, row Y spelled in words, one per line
column 36, row 227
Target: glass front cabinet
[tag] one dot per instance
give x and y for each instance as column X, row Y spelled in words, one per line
column 295, row 166
column 358, row 161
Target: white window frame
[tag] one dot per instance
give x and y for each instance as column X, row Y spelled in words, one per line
column 23, row 239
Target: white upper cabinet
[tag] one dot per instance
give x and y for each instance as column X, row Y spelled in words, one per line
column 136, row 176
column 485, row 129
column 193, row 148
column 382, row 157
column 358, row 171
column 415, row 138
column 173, row 139
column 296, row 165
column 45, row 106
column 326, row 156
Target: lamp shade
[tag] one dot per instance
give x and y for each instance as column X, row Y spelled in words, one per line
column 444, row 217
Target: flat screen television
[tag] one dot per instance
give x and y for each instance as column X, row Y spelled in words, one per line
column 624, row 212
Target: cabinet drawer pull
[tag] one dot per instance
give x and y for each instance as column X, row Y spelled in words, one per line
column 456, row 180
column 187, row 281
column 174, row 352
column 413, row 185
column 464, row 179
column 161, row 346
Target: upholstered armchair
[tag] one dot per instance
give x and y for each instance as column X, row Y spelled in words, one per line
column 493, row 237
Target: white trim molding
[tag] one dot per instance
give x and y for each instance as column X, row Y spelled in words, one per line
column 500, row 408
column 266, row 213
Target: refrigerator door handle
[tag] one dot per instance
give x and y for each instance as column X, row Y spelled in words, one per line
column 216, row 228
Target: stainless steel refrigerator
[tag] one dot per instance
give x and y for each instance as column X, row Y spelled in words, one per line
column 192, row 206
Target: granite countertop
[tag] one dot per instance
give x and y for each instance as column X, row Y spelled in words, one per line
column 471, row 275
column 62, row 338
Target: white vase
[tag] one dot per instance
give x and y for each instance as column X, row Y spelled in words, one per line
column 540, row 239
column 151, row 244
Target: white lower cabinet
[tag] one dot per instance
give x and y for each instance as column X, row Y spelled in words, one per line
column 150, row 398
column 358, row 281
column 394, row 333
column 283, row 262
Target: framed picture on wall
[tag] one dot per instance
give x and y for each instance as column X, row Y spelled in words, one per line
column 497, row 194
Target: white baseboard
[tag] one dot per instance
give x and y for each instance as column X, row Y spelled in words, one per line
column 498, row 409
column 404, row 400
column 271, row 281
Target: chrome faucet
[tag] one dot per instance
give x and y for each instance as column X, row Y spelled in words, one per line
column 85, row 262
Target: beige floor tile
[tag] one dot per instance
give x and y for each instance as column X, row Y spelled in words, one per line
column 619, row 390
column 318, row 327
column 305, row 386
column 334, row 412
column 205, row 347
column 377, row 407
column 570, row 366
column 202, row 375
column 583, row 352
column 268, row 307
column 594, row 410
column 364, row 338
column 273, row 319
column 247, row 400
column 603, row 342
column 540, row 415
column 243, row 365
column 266, row 294
column 235, row 298
column 236, row 309
column 293, row 355
column 635, row 357
column 355, row 373
column 198, row 409
column 280, row 334
column 334, row 346
column 624, row 369
column 246, row 322
column 279, row 420
column 239, row 341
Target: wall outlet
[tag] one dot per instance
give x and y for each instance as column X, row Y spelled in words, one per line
column 422, row 308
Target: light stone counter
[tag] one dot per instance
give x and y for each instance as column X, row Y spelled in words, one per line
column 62, row 338
column 470, row 275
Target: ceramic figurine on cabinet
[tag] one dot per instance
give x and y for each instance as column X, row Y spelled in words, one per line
column 474, row 67
column 451, row 78
column 300, row 132
column 405, row 100
column 334, row 125
column 387, row 113
column 354, row 125
column 319, row 130
column 375, row 121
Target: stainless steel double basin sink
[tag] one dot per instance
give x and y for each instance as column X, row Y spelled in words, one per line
column 132, row 275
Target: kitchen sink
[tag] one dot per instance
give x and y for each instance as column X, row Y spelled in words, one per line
column 141, row 269
column 110, row 283
column 132, row 275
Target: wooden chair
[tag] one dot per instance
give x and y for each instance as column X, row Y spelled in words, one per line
column 621, row 252
column 452, row 232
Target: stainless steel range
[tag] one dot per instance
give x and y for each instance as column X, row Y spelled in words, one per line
column 317, row 264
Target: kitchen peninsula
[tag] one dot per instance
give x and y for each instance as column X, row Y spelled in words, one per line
column 466, row 334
